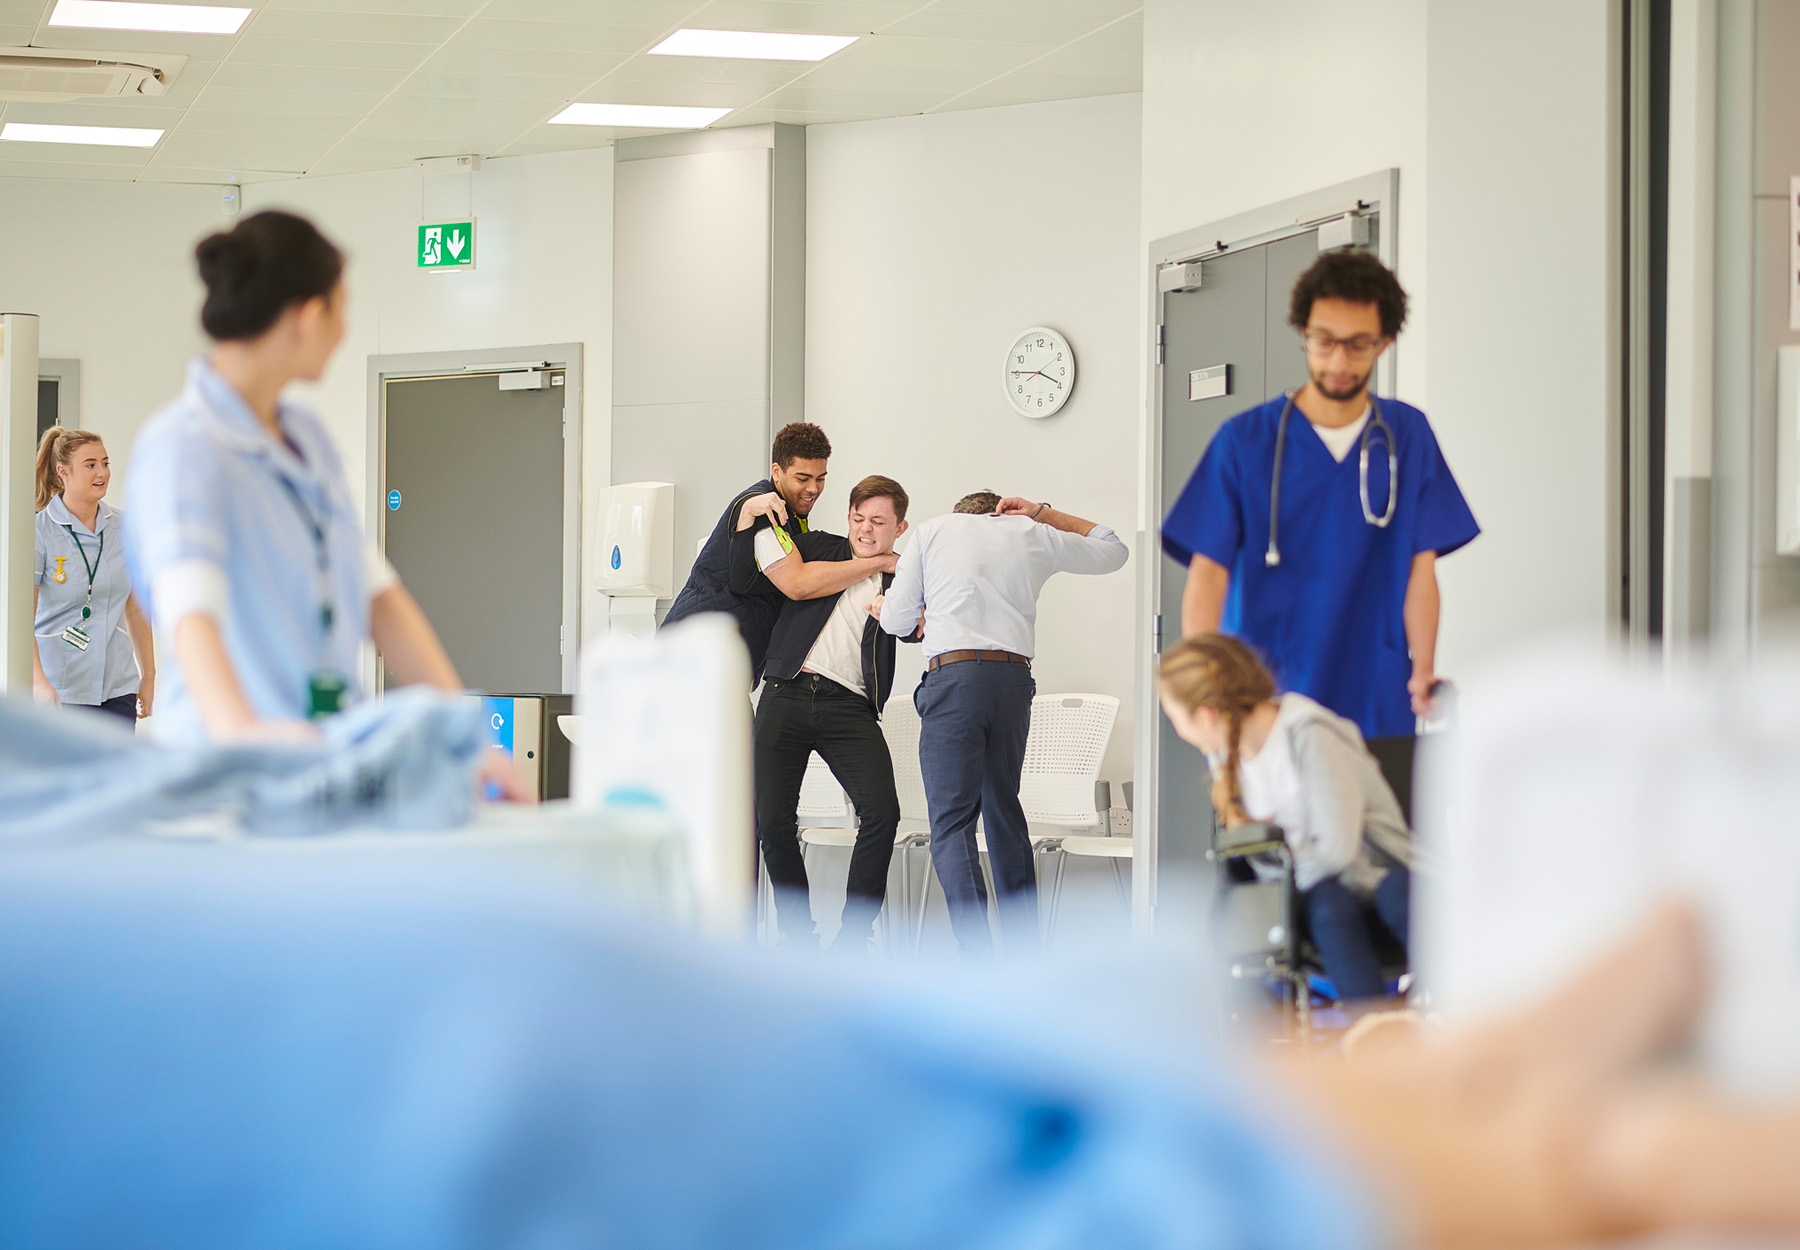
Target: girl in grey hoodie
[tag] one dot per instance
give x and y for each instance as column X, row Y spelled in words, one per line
column 1284, row 760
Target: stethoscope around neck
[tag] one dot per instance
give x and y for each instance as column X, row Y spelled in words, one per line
column 1272, row 558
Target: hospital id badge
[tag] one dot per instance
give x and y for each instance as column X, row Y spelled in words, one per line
column 76, row 637
column 324, row 695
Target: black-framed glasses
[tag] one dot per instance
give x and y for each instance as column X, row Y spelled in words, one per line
column 1320, row 344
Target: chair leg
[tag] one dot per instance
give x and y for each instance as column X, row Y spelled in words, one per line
column 1056, row 884
column 1123, row 883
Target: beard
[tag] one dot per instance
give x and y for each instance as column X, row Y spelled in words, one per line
column 1341, row 394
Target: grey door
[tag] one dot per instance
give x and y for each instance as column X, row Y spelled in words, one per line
column 1238, row 317
column 477, row 535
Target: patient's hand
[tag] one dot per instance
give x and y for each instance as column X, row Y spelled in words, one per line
column 498, row 770
column 1553, row 1125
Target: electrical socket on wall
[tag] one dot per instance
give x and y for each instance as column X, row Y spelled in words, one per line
column 1118, row 821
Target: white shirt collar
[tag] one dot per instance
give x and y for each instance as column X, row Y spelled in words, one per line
column 60, row 514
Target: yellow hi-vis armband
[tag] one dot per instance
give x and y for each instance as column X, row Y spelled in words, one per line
column 786, row 540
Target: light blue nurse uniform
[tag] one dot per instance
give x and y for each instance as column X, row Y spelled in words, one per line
column 108, row 668
column 209, row 484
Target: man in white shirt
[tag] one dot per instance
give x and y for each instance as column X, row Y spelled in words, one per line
column 974, row 576
column 829, row 671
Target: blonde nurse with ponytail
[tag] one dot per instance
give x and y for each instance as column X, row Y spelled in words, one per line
column 1284, row 760
column 93, row 643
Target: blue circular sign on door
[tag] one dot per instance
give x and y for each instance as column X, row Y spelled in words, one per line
column 615, row 557
column 393, row 501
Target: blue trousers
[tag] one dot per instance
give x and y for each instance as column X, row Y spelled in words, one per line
column 974, row 719
column 1343, row 928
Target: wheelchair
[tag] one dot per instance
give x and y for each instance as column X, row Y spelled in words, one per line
column 1259, row 925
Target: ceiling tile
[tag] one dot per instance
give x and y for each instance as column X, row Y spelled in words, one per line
column 1125, row 33
column 157, row 171
column 16, row 36
column 276, row 153
column 795, row 16
column 76, row 154
column 1024, row 27
column 760, row 116
column 1034, row 86
column 200, row 47
column 338, row 161
column 1085, row 57
column 438, row 111
column 522, row 62
column 333, row 54
column 1084, row 8
column 706, row 69
column 658, row 13
column 938, row 80
column 351, row 27
column 493, row 86
column 417, row 8
column 21, row 12
column 861, row 103
column 66, row 169
column 555, row 36
column 549, row 149
column 906, row 50
column 230, row 121
column 467, row 135
column 348, row 79
column 312, row 103
column 618, row 90
column 96, row 113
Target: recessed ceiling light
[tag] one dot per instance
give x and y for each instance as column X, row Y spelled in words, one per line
column 752, row 45
column 643, row 116
column 103, row 136
column 190, row 19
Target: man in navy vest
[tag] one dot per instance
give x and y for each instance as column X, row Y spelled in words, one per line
column 830, row 669
column 796, row 480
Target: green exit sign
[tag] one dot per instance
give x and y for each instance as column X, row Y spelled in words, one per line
column 446, row 245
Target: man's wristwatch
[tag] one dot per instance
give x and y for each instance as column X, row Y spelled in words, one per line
column 1040, row 509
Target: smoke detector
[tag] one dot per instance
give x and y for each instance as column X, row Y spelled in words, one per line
column 53, row 76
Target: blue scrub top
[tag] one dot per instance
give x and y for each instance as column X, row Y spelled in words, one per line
column 108, row 668
column 209, row 485
column 1329, row 618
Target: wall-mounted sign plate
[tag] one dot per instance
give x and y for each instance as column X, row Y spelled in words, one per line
column 1209, row 383
column 446, row 245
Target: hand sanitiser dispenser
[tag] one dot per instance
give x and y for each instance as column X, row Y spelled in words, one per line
column 634, row 559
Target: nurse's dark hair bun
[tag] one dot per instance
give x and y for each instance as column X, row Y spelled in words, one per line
column 260, row 268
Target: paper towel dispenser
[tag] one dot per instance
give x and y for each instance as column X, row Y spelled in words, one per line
column 635, row 554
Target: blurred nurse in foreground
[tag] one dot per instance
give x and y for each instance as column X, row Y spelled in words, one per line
column 244, row 533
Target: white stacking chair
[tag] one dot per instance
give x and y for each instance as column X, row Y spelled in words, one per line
column 1068, row 740
column 1069, row 736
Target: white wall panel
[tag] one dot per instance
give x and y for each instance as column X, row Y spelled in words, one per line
column 932, row 242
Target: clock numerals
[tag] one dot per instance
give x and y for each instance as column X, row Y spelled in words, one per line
column 1040, row 370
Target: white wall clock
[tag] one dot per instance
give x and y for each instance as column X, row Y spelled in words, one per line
column 1040, row 372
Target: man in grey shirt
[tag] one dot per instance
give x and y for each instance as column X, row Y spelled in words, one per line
column 974, row 576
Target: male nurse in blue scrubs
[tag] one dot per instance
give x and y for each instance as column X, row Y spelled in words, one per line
column 1342, row 600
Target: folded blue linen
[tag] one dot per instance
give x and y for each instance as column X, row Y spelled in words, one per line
column 405, row 761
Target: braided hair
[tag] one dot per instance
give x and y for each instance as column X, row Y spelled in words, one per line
column 1221, row 673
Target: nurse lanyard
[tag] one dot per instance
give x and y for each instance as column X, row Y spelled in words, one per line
column 76, row 635
column 325, row 687
column 1272, row 557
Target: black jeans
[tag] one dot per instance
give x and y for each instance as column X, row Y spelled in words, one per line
column 794, row 719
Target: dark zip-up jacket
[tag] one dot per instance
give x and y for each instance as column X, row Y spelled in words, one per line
column 803, row 620
column 710, row 585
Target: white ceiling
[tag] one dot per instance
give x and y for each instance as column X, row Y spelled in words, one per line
column 312, row 87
